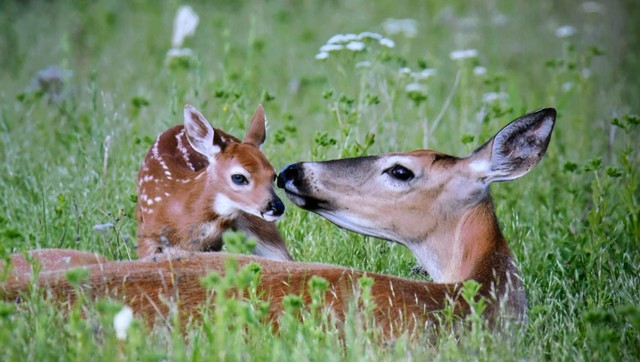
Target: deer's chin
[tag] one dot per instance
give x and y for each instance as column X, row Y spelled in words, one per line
column 306, row 202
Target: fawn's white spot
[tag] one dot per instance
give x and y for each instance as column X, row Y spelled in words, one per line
column 154, row 150
column 183, row 150
column 157, row 199
column 149, row 202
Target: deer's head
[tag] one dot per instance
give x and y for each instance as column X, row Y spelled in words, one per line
column 238, row 172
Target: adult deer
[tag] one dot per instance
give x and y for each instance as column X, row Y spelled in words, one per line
column 437, row 205
column 197, row 182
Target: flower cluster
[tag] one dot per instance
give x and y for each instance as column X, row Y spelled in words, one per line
column 565, row 31
column 352, row 42
column 463, row 54
column 416, row 88
column 407, row 27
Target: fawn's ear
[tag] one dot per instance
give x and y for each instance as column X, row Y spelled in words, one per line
column 257, row 132
column 199, row 132
column 516, row 148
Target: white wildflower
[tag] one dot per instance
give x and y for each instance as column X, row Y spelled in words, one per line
column 342, row 38
column 479, row 70
column 331, row 48
column 338, row 38
column 386, row 42
column 407, row 27
column 567, row 86
column 494, row 97
column 102, row 227
column 404, row 71
column 349, row 37
column 565, row 31
column 415, row 87
column 585, row 73
column 368, row 34
column 463, row 54
column 322, row 55
column 355, row 46
column 591, row 7
column 122, row 321
column 424, row 74
column 184, row 25
column 363, row 64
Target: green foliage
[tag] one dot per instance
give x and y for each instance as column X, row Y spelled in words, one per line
column 68, row 162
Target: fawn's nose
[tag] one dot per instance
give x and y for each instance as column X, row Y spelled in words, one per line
column 289, row 173
column 275, row 207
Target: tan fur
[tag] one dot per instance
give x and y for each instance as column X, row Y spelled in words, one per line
column 147, row 285
column 51, row 260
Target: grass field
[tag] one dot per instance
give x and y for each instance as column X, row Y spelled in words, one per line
column 70, row 149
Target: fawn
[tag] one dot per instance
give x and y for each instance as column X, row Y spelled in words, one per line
column 436, row 204
column 197, row 182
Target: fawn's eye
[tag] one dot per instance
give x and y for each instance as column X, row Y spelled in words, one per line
column 400, row 173
column 239, row 179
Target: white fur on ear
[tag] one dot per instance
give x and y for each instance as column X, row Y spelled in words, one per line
column 199, row 132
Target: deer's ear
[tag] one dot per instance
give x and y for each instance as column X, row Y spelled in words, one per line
column 199, row 132
column 257, row 132
column 516, row 148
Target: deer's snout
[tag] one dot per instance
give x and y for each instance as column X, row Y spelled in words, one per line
column 291, row 173
column 275, row 207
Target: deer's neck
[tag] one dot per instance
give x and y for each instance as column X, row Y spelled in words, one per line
column 471, row 246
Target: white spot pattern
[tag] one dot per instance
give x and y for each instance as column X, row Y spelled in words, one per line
column 183, row 150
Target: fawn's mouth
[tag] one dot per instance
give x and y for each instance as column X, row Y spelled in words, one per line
column 275, row 209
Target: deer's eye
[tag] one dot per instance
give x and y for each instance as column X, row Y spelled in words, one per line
column 401, row 173
column 239, row 179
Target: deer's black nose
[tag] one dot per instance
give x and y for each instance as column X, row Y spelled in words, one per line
column 275, row 207
column 289, row 173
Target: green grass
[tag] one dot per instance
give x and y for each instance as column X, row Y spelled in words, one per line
column 573, row 223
